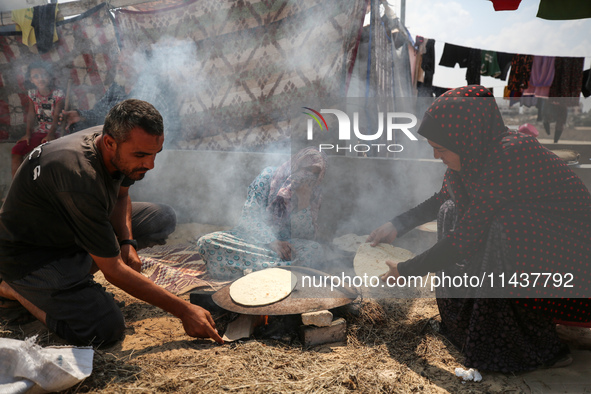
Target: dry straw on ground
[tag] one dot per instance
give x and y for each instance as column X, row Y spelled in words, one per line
column 390, row 348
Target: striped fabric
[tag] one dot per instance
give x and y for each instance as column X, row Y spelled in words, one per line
column 178, row 269
column 243, row 68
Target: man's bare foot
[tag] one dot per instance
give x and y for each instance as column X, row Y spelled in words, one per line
column 12, row 312
column 28, row 308
column 6, row 293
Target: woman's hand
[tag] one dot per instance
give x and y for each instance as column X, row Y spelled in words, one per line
column 283, row 249
column 392, row 273
column 386, row 233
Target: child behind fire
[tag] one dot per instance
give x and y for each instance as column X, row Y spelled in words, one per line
column 278, row 223
column 45, row 103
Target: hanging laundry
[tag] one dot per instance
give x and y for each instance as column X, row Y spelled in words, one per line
column 421, row 58
column 490, row 65
column 23, row 18
column 453, row 54
column 568, row 79
column 564, row 9
column 541, row 77
column 520, row 72
column 473, row 71
column 412, row 60
column 514, row 96
column 428, row 63
column 586, row 87
column 421, row 49
column 44, row 24
column 506, row 5
column 504, row 61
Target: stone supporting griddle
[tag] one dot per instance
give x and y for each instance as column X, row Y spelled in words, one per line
column 336, row 332
column 318, row 319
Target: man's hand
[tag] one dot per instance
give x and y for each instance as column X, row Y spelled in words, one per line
column 130, row 257
column 69, row 118
column 283, row 249
column 198, row 323
column 386, row 233
column 392, row 273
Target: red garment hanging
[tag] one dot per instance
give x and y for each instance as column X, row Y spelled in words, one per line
column 506, row 5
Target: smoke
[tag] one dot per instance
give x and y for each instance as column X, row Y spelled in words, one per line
column 359, row 193
column 169, row 75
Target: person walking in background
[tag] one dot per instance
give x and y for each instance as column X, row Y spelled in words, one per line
column 553, row 111
column 45, row 104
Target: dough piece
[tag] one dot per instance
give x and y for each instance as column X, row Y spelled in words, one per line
column 372, row 260
column 349, row 242
column 429, row 227
column 263, row 287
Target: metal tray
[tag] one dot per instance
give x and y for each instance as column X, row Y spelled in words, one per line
column 301, row 300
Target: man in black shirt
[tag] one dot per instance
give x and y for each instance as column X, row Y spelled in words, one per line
column 68, row 213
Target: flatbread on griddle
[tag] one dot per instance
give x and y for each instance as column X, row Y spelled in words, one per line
column 263, row 287
column 372, row 260
column 349, row 242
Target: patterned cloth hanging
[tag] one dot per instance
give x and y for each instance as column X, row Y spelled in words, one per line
column 248, row 63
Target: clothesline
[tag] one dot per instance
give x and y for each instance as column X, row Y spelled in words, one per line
column 74, row 8
column 492, row 50
column 496, row 64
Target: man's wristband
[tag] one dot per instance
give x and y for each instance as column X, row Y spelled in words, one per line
column 131, row 242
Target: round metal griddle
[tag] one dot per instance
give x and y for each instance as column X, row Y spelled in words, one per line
column 301, row 300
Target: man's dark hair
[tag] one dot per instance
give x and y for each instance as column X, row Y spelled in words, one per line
column 129, row 114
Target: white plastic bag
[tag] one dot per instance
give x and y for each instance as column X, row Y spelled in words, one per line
column 28, row 368
column 468, row 375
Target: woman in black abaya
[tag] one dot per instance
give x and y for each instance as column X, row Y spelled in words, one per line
column 507, row 206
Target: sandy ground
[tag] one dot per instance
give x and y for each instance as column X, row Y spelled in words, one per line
column 391, row 347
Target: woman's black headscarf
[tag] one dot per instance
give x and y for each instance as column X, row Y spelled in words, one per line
column 498, row 166
column 465, row 120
